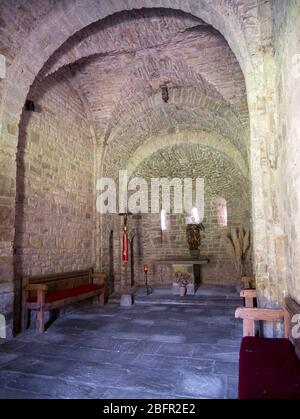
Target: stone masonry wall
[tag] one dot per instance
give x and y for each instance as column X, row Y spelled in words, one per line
column 286, row 16
column 54, row 218
column 222, row 179
column 31, row 32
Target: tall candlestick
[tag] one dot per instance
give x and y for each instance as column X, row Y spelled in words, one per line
column 125, row 246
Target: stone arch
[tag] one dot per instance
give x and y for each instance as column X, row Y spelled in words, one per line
column 183, row 97
column 142, row 88
column 82, row 44
column 86, row 108
column 91, row 40
column 60, row 24
column 190, row 95
column 54, row 30
column 204, row 138
column 173, row 72
column 157, row 120
column 68, row 18
column 194, row 160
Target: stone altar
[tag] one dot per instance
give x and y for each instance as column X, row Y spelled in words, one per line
column 189, row 266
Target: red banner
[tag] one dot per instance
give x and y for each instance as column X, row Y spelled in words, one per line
column 125, row 247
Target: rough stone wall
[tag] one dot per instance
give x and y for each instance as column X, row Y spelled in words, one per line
column 17, row 20
column 110, row 250
column 222, row 179
column 55, row 183
column 54, row 218
column 286, row 17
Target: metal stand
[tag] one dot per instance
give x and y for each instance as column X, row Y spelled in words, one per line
column 126, row 297
column 149, row 289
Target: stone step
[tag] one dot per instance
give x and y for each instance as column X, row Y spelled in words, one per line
column 226, row 302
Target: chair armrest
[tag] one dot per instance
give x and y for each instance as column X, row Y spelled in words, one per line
column 249, row 295
column 250, row 315
column 100, row 276
column 266, row 314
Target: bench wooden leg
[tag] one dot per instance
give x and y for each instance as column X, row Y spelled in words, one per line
column 249, row 302
column 24, row 317
column 102, row 299
column 248, row 327
column 40, row 319
column 24, row 321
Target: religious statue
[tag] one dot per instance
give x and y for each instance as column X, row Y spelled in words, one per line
column 193, row 234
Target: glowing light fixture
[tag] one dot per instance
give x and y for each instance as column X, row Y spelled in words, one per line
column 163, row 220
column 195, row 216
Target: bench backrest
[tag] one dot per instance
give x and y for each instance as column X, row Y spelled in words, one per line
column 61, row 281
column 292, row 323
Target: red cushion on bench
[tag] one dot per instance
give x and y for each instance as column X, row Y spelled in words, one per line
column 269, row 369
column 70, row 292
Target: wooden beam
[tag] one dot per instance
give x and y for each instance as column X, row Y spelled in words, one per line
column 248, row 293
column 249, row 296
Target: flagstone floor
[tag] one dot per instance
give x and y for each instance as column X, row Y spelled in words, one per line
column 158, row 348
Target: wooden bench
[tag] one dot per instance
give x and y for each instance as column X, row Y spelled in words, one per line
column 270, row 368
column 49, row 292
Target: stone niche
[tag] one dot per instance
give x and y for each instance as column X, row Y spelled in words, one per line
column 223, row 179
column 190, row 269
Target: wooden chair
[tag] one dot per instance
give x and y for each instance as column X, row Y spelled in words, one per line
column 269, row 368
column 249, row 297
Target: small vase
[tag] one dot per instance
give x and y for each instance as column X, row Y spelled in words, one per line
column 182, row 291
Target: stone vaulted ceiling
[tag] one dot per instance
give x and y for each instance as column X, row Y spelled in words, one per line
column 222, row 178
column 118, row 66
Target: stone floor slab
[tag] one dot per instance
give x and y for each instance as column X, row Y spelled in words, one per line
column 154, row 350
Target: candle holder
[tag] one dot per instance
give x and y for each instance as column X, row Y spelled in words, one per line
column 148, row 288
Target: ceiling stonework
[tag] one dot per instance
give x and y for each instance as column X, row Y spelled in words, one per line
column 221, row 176
column 118, row 66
